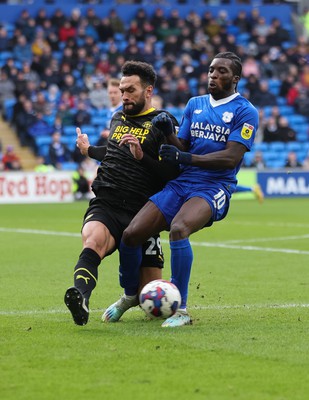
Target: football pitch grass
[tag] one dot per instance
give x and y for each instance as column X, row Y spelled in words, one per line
column 248, row 297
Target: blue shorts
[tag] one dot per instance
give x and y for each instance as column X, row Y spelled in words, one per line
column 175, row 194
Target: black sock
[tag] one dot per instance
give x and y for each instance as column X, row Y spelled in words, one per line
column 86, row 272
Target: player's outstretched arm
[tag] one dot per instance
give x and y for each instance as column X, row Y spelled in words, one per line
column 82, row 142
column 227, row 158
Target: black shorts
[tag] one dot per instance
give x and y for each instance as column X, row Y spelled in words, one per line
column 116, row 219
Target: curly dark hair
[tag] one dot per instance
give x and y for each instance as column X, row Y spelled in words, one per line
column 236, row 61
column 145, row 71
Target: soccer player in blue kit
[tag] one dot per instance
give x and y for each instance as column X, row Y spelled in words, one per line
column 216, row 131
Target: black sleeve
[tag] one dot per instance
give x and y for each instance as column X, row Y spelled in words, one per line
column 97, row 152
column 163, row 172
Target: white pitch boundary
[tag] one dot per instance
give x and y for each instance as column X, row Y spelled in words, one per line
column 225, row 245
column 210, row 307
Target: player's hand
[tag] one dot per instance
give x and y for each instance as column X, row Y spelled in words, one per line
column 174, row 156
column 82, row 142
column 164, row 123
column 134, row 145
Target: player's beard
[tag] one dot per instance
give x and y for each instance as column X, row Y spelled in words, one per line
column 134, row 108
column 221, row 92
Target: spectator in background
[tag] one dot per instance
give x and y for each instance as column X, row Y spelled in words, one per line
column 7, row 89
column 263, row 97
column 302, row 103
column 24, row 118
column 98, row 96
column 38, row 129
column 182, row 93
column 114, row 97
column 43, row 166
column 82, row 115
column 258, row 161
column 58, row 152
column 102, row 141
column 292, row 160
column 11, row 160
column 306, row 163
column 270, row 133
column 4, row 39
column 284, row 132
column 22, row 51
column 66, row 31
column 251, row 67
column 105, row 30
column 116, row 22
column 81, row 189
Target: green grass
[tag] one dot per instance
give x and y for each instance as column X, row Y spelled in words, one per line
column 248, row 298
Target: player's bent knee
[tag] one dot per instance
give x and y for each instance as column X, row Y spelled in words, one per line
column 179, row 231
column 129, row 238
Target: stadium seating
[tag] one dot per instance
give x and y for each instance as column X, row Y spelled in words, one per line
column 273, row 153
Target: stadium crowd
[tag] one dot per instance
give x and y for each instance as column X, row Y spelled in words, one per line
column 55, row 70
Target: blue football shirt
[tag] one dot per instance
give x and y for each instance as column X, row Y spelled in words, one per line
column 208, row 125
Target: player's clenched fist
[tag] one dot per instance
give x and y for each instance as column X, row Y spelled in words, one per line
column 163, row 122
column 82, row 142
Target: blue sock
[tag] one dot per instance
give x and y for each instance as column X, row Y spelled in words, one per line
column 130, row 261
column 181, row 262
column 240, row 189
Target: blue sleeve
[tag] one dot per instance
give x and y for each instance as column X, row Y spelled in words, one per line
column 185, row 124
column 245, row 126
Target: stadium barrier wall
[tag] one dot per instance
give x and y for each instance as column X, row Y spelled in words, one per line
column 33, row 187
column 127, row 12
column 284, row 183
column 56, row 187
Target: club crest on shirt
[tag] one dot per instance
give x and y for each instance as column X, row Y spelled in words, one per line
column 227, row 116
column 246, row 131
column 147, row 124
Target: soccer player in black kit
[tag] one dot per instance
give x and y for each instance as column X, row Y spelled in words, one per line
column 126, row 177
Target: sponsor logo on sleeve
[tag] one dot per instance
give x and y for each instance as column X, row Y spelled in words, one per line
column 246, row 131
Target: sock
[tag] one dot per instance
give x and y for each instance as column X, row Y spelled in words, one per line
column 86, row 272
column 130, row 261
column 181, row 262
column 240, row 189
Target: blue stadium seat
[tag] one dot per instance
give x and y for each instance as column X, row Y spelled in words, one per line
column 294, row 146
column 275, row 163
column 276, row 147
column 286, row 110
column 89, row 129
column 297, row 119
column 99, row 121
column 69, row 130
column 274, row 86
column 260, row 147
column 8, row 105
column 302, row 136
column 281, row 101
column 248, row 158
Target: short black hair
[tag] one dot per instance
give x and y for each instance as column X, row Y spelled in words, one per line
column 236, row 61
column 145, row 71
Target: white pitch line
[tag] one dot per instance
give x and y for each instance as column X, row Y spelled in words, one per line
column 267, row 239
column 196, row 307
column 270, row 224
column 39, row 232
column 248, row 248
column 225, row 245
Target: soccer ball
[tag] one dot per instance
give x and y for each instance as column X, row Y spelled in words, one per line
column 160, row 299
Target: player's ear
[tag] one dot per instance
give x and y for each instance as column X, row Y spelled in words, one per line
column 236, row 79
column 149, row 91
